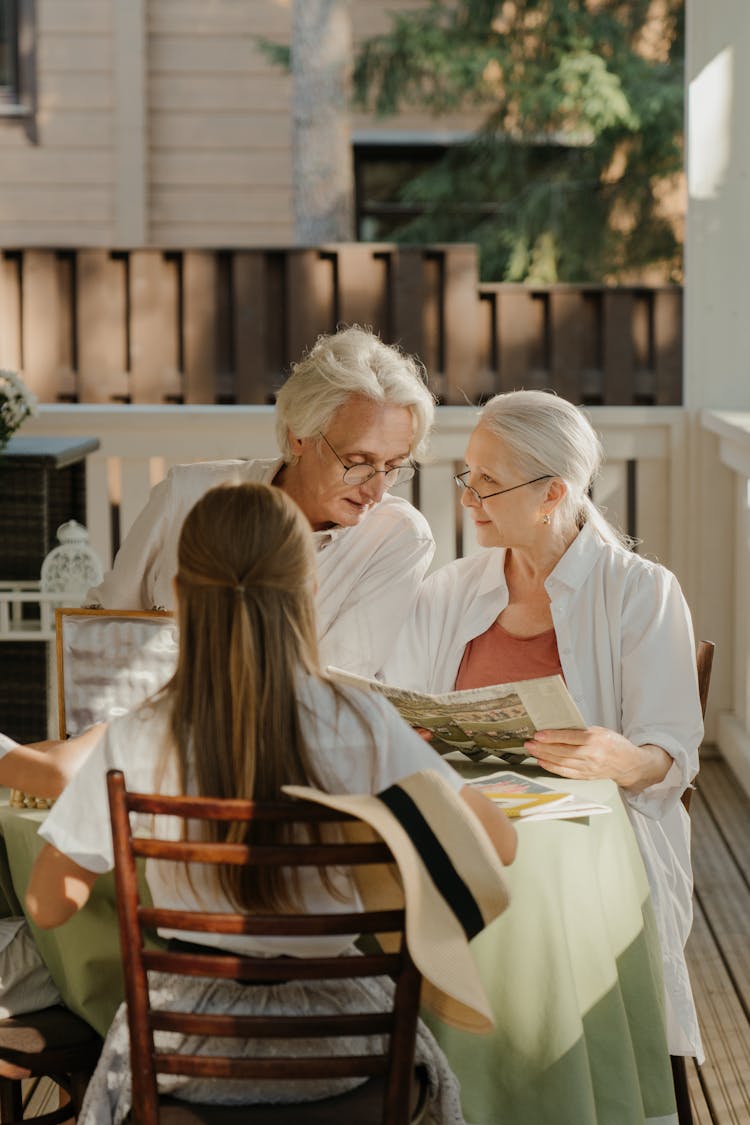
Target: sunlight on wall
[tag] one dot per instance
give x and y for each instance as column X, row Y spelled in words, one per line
column 709, row 143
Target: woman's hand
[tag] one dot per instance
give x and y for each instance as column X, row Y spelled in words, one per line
column 598, row 752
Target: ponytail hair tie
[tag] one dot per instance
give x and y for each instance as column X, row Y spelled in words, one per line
column 239, row 590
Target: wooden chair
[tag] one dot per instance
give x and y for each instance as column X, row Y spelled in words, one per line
column 704, row 661
column 392, row 1094
column 53, row 1043
column 141, row 653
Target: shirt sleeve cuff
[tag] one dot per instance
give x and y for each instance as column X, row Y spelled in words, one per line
column 76, row 851
column 6, row 745
column 663, row 795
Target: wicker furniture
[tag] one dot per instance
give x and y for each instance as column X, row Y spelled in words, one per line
column 42, row 484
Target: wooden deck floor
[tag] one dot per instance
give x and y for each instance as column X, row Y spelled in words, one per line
column 719, row 946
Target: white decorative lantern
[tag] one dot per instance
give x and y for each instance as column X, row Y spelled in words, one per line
column 72, row 568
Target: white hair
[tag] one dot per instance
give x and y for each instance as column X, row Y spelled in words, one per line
column 349, row 362
column 549, row 436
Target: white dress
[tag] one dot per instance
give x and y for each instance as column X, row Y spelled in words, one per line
column 625, row 640
column 368, row 575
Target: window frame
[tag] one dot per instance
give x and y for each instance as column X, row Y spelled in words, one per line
column 392, row 147
column 18, row 98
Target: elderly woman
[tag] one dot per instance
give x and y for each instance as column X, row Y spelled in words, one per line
column 349, row 420
column 559, row 591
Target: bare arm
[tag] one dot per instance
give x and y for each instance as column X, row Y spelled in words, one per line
column 44, row 768
column 501, row 832
column 58, row 888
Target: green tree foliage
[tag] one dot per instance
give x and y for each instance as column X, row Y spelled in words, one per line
column 583, row 115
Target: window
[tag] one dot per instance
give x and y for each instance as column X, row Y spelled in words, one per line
column 381, row 171
column 17, row 46
column 8, row 52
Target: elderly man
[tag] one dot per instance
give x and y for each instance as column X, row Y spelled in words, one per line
column 349, row 420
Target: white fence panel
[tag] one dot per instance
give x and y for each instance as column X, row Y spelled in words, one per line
column 138, row 444
column 650, row 473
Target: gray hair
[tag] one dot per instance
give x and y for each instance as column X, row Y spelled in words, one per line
column 351, row 361
column 547, row 435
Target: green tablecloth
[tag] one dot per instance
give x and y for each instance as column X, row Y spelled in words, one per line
column 573, row 972
column 83, row 956
column 572, row 969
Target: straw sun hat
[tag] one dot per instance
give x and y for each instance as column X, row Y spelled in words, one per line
column 448, row 875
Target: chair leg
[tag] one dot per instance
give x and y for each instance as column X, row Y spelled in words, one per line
column 11, row 1100
column 681, row 1091
column 78, row 1084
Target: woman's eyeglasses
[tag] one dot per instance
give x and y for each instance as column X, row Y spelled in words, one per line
column 464, row 486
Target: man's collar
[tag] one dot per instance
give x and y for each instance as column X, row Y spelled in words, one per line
column 322, row 539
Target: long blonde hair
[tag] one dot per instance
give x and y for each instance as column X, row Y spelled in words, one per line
column 245, row 586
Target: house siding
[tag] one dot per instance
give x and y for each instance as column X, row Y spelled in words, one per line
column 162, row 123
column 60, row 189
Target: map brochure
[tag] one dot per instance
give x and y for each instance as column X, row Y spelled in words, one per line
column 483, row 721
column 530, row 798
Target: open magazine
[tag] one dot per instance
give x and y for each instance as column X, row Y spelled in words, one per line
column 528, row 798
column 484, row 721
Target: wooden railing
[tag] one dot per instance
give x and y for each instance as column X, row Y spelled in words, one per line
column 139, row 443
column 223, row 326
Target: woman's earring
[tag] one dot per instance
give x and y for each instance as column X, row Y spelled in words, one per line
column 545, row 518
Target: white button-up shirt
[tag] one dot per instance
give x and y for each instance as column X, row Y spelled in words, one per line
column 368, row 574
column 626, row 646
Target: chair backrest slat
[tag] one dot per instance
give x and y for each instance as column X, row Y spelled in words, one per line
column 260, row 1027
column 208, row 808
column 263, row 855
column 396, row 1027
column 382, row 921
column 704, row 663
column 269, row 969
column 280, row 1068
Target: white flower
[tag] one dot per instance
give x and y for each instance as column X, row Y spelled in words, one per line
column 17, row 402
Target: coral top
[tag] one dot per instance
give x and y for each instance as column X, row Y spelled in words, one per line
column 497, row 657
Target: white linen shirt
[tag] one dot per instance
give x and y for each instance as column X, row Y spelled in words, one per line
column 626, row 646
column 368, row 575
column 358, row 744
column 7, row 744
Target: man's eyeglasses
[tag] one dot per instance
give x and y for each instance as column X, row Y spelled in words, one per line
column 360, row 474
column 464, row 486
